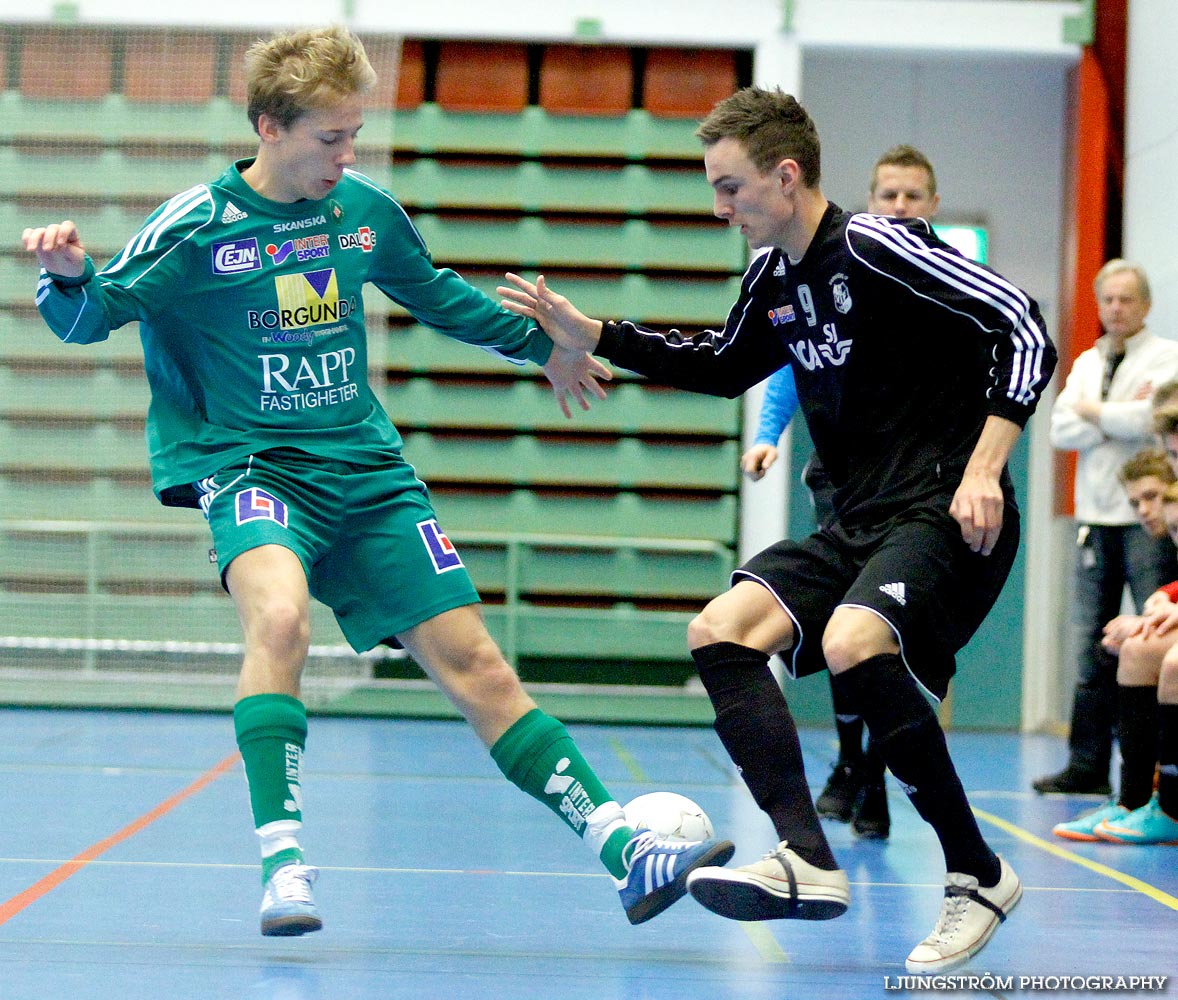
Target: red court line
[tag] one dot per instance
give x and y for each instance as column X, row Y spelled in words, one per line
column 12, row 907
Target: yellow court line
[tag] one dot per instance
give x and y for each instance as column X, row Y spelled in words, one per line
column 765, row 943
column 1136, row 884
column 629, row 760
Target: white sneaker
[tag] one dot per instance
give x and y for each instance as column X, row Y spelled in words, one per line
column 779, row 886
column 288, row 909
column 969, row 917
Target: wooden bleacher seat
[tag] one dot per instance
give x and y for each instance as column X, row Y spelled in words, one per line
column 66, row 62
column 482, row 76
column 410, row 75
column 586, row 80
column 170, row 67
column 687, row 83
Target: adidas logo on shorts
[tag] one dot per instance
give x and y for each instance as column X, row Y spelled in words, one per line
column 896, row 592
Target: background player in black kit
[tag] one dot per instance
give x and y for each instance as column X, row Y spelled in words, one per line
column 916, row 370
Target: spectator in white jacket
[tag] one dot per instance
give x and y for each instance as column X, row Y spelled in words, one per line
column 1103, row 414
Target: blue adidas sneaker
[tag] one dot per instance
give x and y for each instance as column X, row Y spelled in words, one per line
column 658, row 871
column 288, row 909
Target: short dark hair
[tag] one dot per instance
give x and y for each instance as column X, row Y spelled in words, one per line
column 1147, row 462
column 771, row 126
column 904, row 155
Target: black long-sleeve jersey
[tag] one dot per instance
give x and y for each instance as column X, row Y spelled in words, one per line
column 900, row 346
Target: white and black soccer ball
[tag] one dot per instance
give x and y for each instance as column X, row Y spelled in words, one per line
column 670, row 815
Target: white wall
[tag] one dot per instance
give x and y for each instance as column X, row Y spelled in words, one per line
column 1151, row 155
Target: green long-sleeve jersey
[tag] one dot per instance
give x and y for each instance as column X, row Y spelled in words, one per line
column 251, row 315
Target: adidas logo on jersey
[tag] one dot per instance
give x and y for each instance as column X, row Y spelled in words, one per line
column 779, row 270
column 896, row 592
column 232, row 214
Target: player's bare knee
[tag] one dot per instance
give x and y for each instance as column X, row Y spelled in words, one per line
column 1168, row 678
column 490, row 678
column 1133, row 666
column 710, row 626
column 850, row 639
column 282, row 627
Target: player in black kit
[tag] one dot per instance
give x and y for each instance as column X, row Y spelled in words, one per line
column 916, row 370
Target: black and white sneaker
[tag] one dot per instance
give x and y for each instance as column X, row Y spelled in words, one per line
column 969, row 917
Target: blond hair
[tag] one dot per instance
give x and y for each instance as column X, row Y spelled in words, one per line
column 1119, row 266
column 300, row 71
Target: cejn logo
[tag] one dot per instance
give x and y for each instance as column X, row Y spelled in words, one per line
column 236, row 256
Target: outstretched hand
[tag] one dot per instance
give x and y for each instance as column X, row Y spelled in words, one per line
column 573, row 373
column 557, row 316
column 58, row 248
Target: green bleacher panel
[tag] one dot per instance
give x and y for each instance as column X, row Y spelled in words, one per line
column 100, row 392
column 203, row 617
column 24, row 336
column 71, row 444
column 660, row 301
column 217, row 124
column 630, row 408
column 534, row 132
column 93, row 496
column 617, row 570
column 529, row 186
column 95, row 173
column 538, row 243
column 620, row 634
column 522, row 460
column 108, row 560
column 414, row 348
column 662, row 514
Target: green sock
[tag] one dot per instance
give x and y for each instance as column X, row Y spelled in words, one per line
column 272, row 734
column 539, row 757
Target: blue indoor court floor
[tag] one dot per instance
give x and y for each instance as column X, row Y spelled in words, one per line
column 128, row 870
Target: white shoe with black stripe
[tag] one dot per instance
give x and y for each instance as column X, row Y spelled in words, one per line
column 969, row 917
column 779, row 886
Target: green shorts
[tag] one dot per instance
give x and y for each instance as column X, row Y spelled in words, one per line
column 367, row 536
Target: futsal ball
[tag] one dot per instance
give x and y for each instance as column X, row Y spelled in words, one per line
column 670, row 815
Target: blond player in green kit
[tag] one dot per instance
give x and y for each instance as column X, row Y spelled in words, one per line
column 248, row 294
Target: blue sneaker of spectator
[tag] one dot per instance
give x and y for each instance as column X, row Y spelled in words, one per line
column 1084, row 827
column 288, row 909
column 659, row 869
column 1147, row 825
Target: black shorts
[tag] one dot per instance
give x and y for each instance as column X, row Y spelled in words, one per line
column 914, row 571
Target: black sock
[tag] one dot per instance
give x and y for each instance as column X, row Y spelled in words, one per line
column 849, row 727
column 904, row 728
column 872, row 768
column 1138, row 736
column 1168, row 759
column 754, row 724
